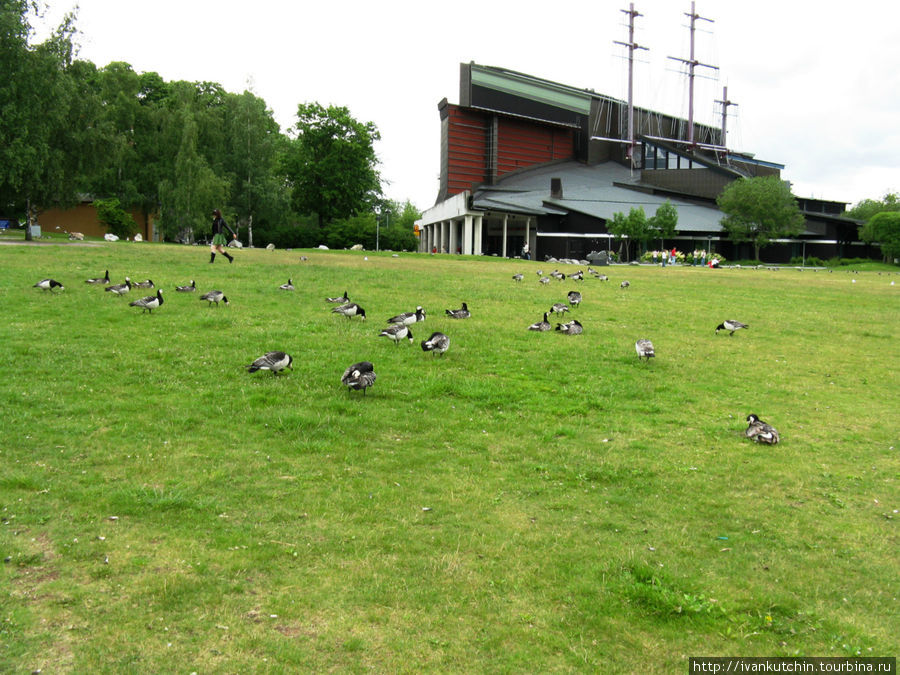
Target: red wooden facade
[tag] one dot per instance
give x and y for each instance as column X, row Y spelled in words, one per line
column 521, row 144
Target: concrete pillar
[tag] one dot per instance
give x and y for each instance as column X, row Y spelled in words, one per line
column 454, row 237
column 467, row 235
column 476, row 244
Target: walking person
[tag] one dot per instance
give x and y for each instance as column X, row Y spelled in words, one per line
column 218, row 242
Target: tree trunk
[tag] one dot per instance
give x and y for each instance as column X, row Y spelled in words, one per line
column 28, row 236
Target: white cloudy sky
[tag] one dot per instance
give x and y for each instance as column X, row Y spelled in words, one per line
column 817, row 84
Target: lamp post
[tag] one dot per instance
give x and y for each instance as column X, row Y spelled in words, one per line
column 377, row 230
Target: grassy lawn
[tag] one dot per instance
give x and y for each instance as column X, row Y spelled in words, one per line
column 528, row 502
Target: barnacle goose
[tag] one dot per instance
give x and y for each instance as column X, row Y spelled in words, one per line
column 272, row 361
column 577, row 276
column 146, row 283
column 344, row 299
column 732, row 325
column 761, row 432
column 214, row 297
column 574, row 298
column 540, row 325
column 359, row 376
column 408, row 318
column 99, row 280
column 461, row 313
column 148, row 303
column 119, row 289
column 625, row 284
column 644, row 348
column 350, row 309
column 544, row 280
column 559, row 308
column 571, row 328
column 289, row 286
column 49, row 285
column 187, row 289
column 518, row 277
column 437, row 343
column 396, row 332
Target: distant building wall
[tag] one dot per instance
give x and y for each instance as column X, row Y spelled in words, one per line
column 83, row 218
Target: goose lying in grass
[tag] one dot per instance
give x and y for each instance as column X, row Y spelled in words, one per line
column 644, row 349
column 571, row 328
column 119, row 289
column 187, row 289
column 359, row 376
column 396, row 332
column 437, row 343
column 49, row 285
column 272, row 361
column 541, row 325
column 350, row 309
column 732, row 325
column 99, row 280
column 761, row 432
column 146, row 283
column 214, row 297
column 148, row 303
column 289, row 286
column 344, row 299
column 408, row 318
column 461, row 313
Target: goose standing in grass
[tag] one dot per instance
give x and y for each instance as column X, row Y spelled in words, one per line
column 289, row 286
column 556, row 274
column 214, row 297
column 571, row 328
column 574, row 298
column 577, row 276
column 518, row 277
column 625, row 284
column 359, row 376
column 396, row 332
column 644, row 349
column 119, row 289
column 732, row 325
column 602, row 277
column 408, row 318
column 187, row 289
column 49, row 285
column 350, row 309
column 544, row 280
column 148, row 303
column 461, row 313
column 99, row 280
column 272, row 361
column 559, row 308
column 761, row 432
column 344, row 299
column 146, row 283
column 541, row 325
column 437, row 343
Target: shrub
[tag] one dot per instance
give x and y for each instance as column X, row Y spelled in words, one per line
column 115, row 218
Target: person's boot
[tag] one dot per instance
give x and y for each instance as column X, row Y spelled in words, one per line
column 230, row 259
column 212, row 258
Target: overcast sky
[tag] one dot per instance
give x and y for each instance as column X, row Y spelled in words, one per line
column 817, row 84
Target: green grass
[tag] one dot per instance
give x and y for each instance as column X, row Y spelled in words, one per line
column 525, row 503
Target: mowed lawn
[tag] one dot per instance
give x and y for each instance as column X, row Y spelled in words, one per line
column 528, row 502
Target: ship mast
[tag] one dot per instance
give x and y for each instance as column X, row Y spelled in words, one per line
column 632, row 46
column 692, row 63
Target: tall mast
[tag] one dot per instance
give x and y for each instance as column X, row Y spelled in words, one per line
column 631, row 45
column 725, row 104
column 692, row 63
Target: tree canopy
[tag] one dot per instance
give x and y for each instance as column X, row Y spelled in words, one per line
column 758, row 210
column 884, row 229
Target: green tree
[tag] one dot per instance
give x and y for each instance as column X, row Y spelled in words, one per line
column 869, row 207
column 758, row 210
column 116, row 219
column 633, row 227
column 331, row 164
column 664, row 222
column 884, row 229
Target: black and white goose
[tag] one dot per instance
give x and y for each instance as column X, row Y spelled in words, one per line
column 625, row 284
column 146, row 283
column 461, row 313
column 544, row 280
column 99, row 280
column 49, row 285
column 541, row 325
column 571, row 328
column 574, row 298
column 761, row 432
column 732, row 325
column 559, row 308
column 556, row 274
column 577, row 276
column 190, row 288
column 344, row 299
column 148, row 303
column 396, row 332
column 214, row 297
column 644, row 349
column 350, row 309
column 408, row 318
column 359, row 376
column 272, row 361
column 289, row 286
column 119, row 289
column 437, row 343
column 602, row 277
column 518, row 277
